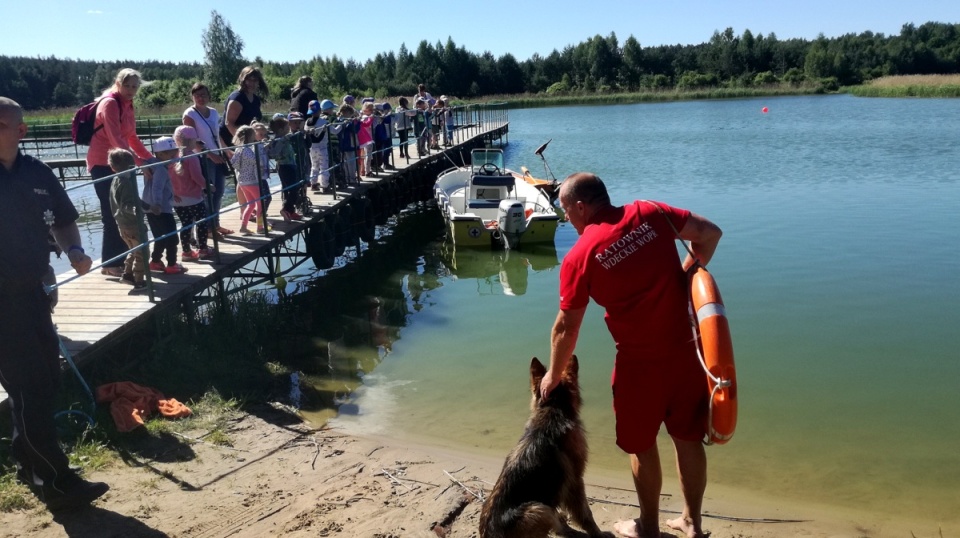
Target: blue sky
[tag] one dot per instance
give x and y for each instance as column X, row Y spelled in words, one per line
column 292, row 31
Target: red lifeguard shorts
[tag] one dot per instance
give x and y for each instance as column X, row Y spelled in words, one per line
column 649, row 390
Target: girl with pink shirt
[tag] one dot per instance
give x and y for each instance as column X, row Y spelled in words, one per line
column 188, row 184
column 365, row 137
column 115, row 127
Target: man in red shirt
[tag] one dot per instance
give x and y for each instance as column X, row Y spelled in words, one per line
column 626, row 260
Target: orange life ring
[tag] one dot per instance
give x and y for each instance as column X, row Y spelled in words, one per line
column 716, row 350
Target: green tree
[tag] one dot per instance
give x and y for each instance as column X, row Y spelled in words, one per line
column 224, row 52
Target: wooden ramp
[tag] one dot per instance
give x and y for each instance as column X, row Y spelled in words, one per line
column 95, row 309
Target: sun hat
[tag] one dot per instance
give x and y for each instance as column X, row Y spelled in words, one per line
column 164, row 143
column 185, row 132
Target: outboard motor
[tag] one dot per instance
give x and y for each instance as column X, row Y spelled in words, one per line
column 511, row 221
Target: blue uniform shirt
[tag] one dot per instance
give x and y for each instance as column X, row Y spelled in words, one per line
column 31, row 201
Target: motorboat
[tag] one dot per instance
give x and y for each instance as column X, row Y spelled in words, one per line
column 488, row 205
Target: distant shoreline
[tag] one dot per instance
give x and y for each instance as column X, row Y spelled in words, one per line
column 924, row 86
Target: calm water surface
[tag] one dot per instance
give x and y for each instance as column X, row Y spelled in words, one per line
column 838, row 267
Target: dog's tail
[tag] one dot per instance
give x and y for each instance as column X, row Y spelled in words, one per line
column 524, row 521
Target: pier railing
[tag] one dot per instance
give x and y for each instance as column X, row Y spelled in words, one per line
column 51, row 141
column 473, row 121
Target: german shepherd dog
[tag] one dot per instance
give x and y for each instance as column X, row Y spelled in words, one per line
column 544, row 473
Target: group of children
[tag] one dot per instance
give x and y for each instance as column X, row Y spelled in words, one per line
column 178, row 187
column 333, row 145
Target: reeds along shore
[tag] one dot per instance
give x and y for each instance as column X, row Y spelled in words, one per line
column 934, row 86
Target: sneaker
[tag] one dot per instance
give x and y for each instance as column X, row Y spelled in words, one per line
column 111, row 271
column 295, row 216
column 286, row 215
column 327, row 190
column 157, row 266
column 74, row 492
column 205, row 254
column 193, row 242
column 140, row 284
column 316, row 187
column 245, row 231
column 190, row 256
column 127, row 278
column 174, row 269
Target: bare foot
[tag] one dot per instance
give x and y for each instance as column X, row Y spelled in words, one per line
column 686, row 526
column 631, row 528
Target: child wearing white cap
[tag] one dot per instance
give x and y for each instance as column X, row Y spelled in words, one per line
column 158, row 196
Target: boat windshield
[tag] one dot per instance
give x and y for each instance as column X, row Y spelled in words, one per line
column 479, row 157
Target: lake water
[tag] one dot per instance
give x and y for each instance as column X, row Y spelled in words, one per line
column 838, row 266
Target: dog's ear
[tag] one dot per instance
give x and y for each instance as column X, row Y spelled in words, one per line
column 573, row 367
column 537, row 369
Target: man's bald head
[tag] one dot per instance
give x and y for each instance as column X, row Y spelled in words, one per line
column 11, row 110
column 585, row 187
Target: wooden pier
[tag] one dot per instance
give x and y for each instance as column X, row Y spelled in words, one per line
column 96, row 311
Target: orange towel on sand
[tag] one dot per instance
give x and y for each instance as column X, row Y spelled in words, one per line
column 131, row 403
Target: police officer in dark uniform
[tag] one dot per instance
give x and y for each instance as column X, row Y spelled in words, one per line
column 34, row 205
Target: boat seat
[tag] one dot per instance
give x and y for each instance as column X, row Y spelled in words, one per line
column 479, row 203
column 493, row 181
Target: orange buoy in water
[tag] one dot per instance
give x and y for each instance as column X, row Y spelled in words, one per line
column 764, row 110
column 716, row 349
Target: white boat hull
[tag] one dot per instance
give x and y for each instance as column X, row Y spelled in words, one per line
column 494, row 207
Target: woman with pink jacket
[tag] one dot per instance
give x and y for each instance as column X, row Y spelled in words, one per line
column 115, row 127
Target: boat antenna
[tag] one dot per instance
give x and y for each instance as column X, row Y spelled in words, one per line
column 539, row 153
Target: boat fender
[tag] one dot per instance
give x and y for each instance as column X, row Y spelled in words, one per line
column 380, row 206
column 716, row 355
column 336, row 226
column 368, row 228
column 346, row 230
column 320, row 245
column 394, row 199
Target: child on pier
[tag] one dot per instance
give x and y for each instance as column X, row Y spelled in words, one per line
column 348, row 143
column 189, row 189
column 401, row 122
column 421, row 127
column 383, row 139
column 365, row 138
column 262, row 135
column 158, row 195
column 244, row 163
column 125, row 204
column 281, row 150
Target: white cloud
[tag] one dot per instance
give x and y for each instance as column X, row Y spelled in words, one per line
column 94, row 12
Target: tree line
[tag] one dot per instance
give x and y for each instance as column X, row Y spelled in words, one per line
column 600, row 64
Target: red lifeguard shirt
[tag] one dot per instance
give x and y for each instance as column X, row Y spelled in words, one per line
column 627, row 261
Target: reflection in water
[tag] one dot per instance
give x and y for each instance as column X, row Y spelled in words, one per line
column 510, row 267
column 348, row 319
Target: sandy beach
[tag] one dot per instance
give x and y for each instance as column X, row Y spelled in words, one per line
column 282, row 477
